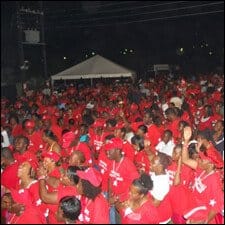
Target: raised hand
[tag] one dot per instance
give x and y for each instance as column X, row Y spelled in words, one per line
column 187, row 133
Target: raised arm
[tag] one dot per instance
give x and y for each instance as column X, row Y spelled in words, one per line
column 187, row 133
column 46, row 197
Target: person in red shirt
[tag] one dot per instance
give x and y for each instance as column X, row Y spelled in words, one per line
column 153, row 134
column 206, row 120
column 181, row 177
column 95, row 207
column 141, row 159
column 96, row 136
column 51, row 141
column 35, row 137
column 9, row 178
column 27, row 173
column 209, row 150
column 173, row 124
column 207, row 188
column 52, row 176
column 217, row 109
column 16, row 127
column 21, row 151
column 48, row 124
column 122, row 171
column 69, row 181
column 120, row 132
column 139, row 209
column 20, row 208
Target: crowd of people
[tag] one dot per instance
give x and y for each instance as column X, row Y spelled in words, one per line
column 150, row 152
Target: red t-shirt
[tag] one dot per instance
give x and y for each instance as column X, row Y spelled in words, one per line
column 17, row 130
column 83, row 147
column 105, row 164
column 153, row 134
column 26, row 156
column 9, row 177
column 36, row 141
column 128, row 150
column 205, row 123
column 145, row 214
column 122, row 175
column 141, row 161
column 35, row 197
column 173, row 126
column 186, row 174
column 207, row 191
column 67, row 191
column 29, row 216
column 94, row 212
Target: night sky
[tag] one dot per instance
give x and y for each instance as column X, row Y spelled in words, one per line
column 135, row 34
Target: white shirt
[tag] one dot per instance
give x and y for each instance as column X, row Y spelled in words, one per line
column 160, row 185
column 165, row 148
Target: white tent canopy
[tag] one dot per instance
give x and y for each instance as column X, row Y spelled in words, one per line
column 95, row 67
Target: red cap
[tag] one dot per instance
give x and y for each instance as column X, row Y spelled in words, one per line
column 52, row 155
column 212, row 158
column 29, row 124
column 67, row 138
column 133, row 107
column 114, row 143
column 91, row 175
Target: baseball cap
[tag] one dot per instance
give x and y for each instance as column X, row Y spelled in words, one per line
column 114, row 143
column 91, row 175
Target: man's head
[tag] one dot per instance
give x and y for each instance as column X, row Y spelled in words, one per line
column 6, row 156
column 21, row 143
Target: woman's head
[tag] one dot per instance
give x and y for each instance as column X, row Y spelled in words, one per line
column 138, row 142
column 69, row 209
column 71, row 177
column 142, row 130
column 89, row 183
column 140, row 186
column 177, row 152
column 160, row 162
